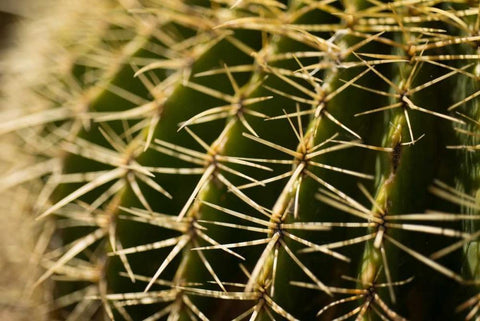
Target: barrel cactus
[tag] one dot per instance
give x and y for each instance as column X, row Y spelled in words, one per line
column 247, row 159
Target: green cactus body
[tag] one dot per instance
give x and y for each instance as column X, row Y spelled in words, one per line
column 250, row 160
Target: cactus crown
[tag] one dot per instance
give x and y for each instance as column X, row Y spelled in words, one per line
column 250, row 159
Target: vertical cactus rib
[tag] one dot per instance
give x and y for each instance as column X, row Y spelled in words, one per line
column 212, row 164
column 262, row 272
column 91, row 151
column 375, row 252
column 466, row 194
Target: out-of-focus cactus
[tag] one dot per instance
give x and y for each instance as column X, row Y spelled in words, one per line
column 248, row 159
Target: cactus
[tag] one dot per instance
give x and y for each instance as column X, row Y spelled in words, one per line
column 247, row 159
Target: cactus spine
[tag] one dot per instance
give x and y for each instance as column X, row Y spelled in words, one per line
column 252, row 159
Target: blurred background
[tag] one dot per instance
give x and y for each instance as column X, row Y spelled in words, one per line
column 11, row 11
column 16, row 239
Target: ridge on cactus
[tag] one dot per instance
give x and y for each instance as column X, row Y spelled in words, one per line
column 245, row 159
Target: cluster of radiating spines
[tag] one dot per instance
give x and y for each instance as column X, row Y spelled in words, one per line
column 401, row 93
column 38, row 89
column 465, row 193
column 274, row 239
column 152, row 37
column 126, row 171
column 260, row 286
column 312, row 88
